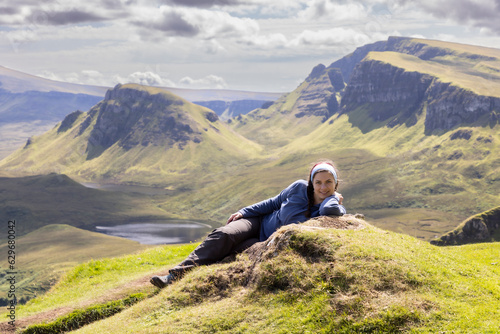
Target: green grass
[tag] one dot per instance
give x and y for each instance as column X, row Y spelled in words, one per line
column 314, row 281
column 394, row 170
column 80, row 318
column 44, row 255
column 106, row 279
column 36, row 201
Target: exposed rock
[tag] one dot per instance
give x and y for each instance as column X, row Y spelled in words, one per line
column 478, row 228
column 28, row 142
column 69, row 120
column 130, row 117
column 450, row 106
column 394, row 92
column 319, row 98
column 211, row 116
column 455, row 155
column 461, row 134
column 391, row 91
column 485, row 140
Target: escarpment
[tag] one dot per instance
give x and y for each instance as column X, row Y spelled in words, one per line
column 394, row 94
column 320, row 97
column 482, row 227
column 130, row 117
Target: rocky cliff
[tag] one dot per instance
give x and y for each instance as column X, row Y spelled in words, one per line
column 392, row 93
column 320, row 97
column 389, row 92
column 483, row 227
column 130, row 116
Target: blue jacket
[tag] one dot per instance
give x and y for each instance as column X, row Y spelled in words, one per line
column 290, row 207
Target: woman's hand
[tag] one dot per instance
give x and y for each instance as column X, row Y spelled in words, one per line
column 234, row 216
column 341, row 198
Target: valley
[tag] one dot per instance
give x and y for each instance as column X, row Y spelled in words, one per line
column 412, row 126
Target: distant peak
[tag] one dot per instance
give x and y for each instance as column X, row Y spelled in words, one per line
column 316, row 72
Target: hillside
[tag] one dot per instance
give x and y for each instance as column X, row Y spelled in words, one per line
column 393, row 115
column 483, row 227
column 136, row 134
column 394, row 79
column 43, row 256
column 31, row 105
column 328, row 275
column 37, row 201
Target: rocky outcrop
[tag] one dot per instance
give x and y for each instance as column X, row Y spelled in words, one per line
column 68, row 121
column 450, row 106
column 479, row 228
column 389, row 92
column 319, row 98
column 404, row 45
column 130, row 117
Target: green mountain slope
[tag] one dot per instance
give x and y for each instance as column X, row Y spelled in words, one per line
column 394, row 115
column 36, row 201
column 136, row 134
column 326, row 275
column 296, row 113
column 411, row 110
column 45, row 254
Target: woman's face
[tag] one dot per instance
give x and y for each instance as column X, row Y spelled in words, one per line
column 324, row 186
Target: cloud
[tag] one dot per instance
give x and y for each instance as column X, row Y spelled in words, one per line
column 333, row 10
column 210, row 81
column 55, row 12
column 147, row 79
column 336, row 37
column 86, row 77
column 477, row 13
column 73, row 16
column 193, row 22
column 206, row 3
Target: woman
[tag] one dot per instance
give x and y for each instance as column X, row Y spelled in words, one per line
column 295, row 204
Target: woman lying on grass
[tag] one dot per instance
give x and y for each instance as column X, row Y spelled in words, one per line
column 297, row 203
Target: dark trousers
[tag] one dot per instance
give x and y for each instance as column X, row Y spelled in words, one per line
column 233, row 238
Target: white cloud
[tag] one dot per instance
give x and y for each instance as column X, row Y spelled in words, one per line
column 193, row 22
column 324, row 39
column 271, row 41
column 147, row 79
column 333, row 10
column 215, row 42
column 210, row 81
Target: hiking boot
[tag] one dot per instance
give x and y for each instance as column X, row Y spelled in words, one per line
column 163, row 281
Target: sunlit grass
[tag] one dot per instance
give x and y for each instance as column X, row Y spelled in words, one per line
column 323, row 281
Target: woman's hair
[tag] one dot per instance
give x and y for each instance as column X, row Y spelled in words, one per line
column 310, row 187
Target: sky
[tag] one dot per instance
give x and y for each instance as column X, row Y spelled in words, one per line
column 253, row 45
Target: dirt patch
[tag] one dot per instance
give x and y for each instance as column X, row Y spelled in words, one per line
column 51, row 315
column 345, row 222
column 281, row 238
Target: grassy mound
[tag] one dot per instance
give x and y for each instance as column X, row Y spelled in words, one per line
column 328, row 275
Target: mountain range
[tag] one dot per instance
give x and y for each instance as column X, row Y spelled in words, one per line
column 412, row 126
column 393, row 115
column 31, row 105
